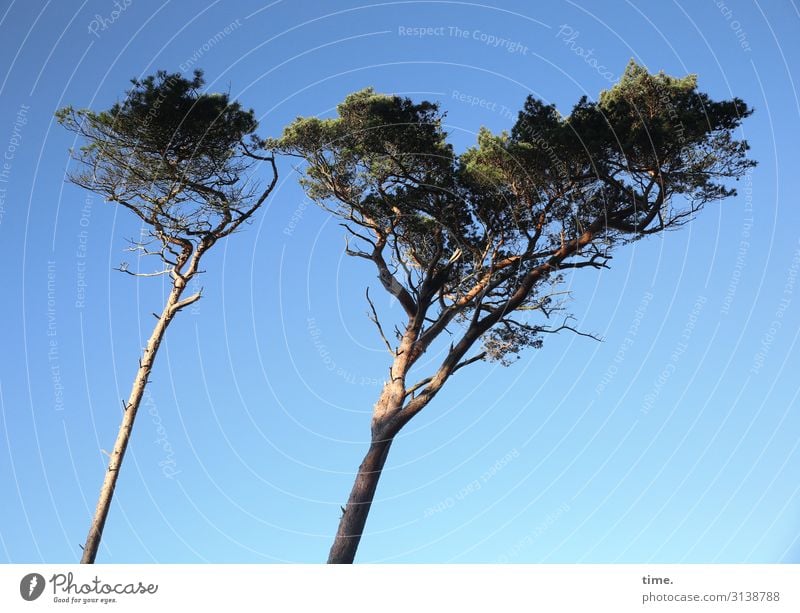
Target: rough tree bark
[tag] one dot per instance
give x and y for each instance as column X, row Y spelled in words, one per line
column 354, row 518
column 172, row 306
column 397, row 404
column 384, row 429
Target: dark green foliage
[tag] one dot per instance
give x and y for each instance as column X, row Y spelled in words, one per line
column 172, row 154
column 461, row 236
column 170, row 119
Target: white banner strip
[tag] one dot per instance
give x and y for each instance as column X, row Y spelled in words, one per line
column 400, row 588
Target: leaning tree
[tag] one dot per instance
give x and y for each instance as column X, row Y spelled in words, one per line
column 184, row 162
column 473, row 245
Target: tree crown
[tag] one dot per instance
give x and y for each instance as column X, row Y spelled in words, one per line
column 476, row 236
column 174, row 155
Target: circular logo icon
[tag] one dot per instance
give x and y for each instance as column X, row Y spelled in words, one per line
column 31, row 586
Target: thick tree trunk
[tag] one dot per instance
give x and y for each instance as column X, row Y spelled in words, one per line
column 351, row 526
column 120, row 446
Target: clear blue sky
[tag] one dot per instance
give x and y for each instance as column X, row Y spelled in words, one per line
column 676, row 439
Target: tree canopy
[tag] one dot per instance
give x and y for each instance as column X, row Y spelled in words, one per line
column 172, row 154
column 478, row 235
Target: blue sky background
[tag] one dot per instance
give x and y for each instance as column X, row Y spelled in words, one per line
column 675, row 440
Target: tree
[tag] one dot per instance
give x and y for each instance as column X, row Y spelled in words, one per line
column 181, row 160
column 473, row 246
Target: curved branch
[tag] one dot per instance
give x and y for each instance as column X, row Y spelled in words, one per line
column 374, row 319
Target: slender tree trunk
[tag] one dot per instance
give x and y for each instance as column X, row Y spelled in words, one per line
column 351, row 525
column 120, row 446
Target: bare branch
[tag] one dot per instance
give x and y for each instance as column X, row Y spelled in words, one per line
column 124, row 268
column 423, row 382
column 564, row 326
column 358, row 235
column 392, row 285
column 374, row 319
column 187, row 301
